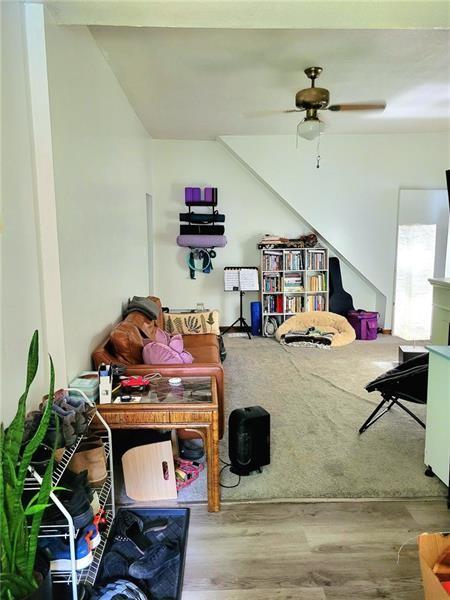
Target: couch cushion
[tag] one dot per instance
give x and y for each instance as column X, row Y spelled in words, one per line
column 196, row 341
column 204, row 354
column 192, row 323
column 127, row 343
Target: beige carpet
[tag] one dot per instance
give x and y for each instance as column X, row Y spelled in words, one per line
column 317, row 402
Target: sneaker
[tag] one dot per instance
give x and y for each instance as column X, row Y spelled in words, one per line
column 91, row 534
column 129, row 528
column 59, row 554
column 114, row 566
column 158, row 557
column 76, row 502
column 76, row 481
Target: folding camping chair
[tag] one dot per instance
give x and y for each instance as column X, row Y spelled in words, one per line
column 407, row 382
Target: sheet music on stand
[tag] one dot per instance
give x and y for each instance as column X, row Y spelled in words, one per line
column 241, row 279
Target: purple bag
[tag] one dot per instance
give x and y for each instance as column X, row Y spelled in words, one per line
column 364, row 322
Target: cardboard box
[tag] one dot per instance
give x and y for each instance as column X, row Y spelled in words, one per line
column 431, row 546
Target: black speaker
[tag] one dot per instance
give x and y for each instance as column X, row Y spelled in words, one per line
column 248, row 439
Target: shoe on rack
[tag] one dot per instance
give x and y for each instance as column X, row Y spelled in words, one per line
column 158, row 557
column 91, row 534
column 76, row 502
column 118, row 590
column 130, row 528
column 59, row 553
column 54, row 435
column 31, row 425
column 68, row 424
column 79, row 481
column 40, row 458
column 90, row 456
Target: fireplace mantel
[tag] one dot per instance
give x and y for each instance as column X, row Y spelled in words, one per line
column 440, row 325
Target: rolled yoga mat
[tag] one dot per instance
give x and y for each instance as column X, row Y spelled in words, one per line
column 202, row 241
column 202, row 218
column 202, row 229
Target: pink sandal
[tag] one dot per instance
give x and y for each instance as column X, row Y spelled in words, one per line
column 186, row 472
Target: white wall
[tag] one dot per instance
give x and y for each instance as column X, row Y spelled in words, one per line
column 102, row 174
column 20, row 277
column 352, row 199
column 250, row 209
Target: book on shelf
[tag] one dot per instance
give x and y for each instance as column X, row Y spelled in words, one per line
column 294, row 283
column 316, row 302
column 317, row 283
column 272, row 260
column 293, row 261
column 317, row 259
column 294, row 304
column 272, row 283
column 273, row 304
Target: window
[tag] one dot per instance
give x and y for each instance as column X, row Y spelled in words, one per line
column 413, row 293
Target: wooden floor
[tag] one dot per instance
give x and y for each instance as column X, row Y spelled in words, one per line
column 316, row 551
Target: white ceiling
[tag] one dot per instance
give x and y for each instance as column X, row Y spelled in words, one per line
column 202, row 83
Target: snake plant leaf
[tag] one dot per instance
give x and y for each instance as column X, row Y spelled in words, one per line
column 36, row 440
column 44, row 493
column 37, row 508
column 5, row 544
column 14, row 434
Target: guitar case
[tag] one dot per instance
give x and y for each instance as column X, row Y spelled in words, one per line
column 341, row 302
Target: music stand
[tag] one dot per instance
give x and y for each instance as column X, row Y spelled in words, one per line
column 241, row 279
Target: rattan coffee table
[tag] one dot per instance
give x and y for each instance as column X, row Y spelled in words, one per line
column 190, row 405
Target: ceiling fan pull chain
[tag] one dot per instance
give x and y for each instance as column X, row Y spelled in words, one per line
column 318, row 153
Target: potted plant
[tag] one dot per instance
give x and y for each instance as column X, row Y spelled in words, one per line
column 21, row 575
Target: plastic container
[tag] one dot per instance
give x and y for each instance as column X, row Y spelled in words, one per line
column 256, row 318
column 365, row 324
column 170, row 585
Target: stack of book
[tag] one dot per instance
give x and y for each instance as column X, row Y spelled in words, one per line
column 293, row 283
column 317, row 283
column 293, row 261
column 272, row 283
column 273, row 261
column 273, row 304
column 315, row 302
column 316, row 260
column 295, row 304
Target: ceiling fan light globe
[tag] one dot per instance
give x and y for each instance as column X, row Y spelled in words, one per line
column 310, row 129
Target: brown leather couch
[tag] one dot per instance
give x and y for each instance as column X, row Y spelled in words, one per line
column 125, row 343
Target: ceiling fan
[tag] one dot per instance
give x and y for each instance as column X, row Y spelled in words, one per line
column 313, row 99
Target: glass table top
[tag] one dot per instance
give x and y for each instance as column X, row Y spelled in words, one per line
column 191, row 390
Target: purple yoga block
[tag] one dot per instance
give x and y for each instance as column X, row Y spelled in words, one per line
column 187, row 194
column 196, row 194
column 208, row 194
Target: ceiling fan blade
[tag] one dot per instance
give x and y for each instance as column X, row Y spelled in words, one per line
column 358, row 106
column 263, row 113
column 292, row 110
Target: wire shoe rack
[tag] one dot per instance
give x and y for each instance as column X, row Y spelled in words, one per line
column 74, row 577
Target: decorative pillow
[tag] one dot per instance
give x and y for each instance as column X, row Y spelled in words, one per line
column 166, row 350
column 191, row 323
column 127, row 343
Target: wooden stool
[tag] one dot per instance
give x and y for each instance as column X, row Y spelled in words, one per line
column 149, row 472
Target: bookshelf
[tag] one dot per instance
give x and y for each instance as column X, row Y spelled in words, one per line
column 293, row 280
